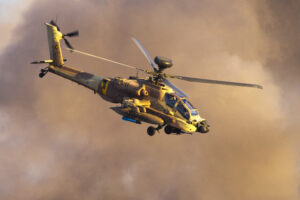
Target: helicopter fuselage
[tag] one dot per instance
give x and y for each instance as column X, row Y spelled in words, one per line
column 151, row 102
column 141, row 100
column 154, row 100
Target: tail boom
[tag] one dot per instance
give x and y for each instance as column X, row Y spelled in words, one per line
column 85, row 79
column 56, row 62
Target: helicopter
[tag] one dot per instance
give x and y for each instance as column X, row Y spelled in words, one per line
column 153, row 100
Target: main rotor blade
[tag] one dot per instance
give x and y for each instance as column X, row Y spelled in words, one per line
column 177, row 90
column 139, row 44
column 108, row 60
column 200, row 80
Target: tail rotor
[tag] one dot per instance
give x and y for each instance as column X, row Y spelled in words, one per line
column 54, row 37
column 70, row 34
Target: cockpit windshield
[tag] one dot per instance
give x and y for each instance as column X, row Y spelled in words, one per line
column 182, row 110
column 189, row 105
column 184, row 107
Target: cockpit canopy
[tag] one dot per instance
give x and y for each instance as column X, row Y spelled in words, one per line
column 183, row 106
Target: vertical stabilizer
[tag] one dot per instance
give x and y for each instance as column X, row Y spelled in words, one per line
column 54, row 37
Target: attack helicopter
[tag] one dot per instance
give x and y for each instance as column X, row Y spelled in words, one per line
column 154, row 100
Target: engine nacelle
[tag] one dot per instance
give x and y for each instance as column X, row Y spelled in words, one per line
column 130, row 88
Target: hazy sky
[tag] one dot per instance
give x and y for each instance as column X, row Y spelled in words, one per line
column 60, row 141
column 11, row 12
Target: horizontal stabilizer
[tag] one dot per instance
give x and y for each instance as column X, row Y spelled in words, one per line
column 42, row 62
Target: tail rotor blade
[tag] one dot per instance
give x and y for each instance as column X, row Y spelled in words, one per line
column 54, row 24
column 68, row 43
column 72, row 34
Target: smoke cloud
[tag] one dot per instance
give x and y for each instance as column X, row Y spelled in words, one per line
column 59, row 141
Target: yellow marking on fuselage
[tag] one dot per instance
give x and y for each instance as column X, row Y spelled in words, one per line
column 104, row 87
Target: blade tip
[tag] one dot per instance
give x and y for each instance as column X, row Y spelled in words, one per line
column 259, row 87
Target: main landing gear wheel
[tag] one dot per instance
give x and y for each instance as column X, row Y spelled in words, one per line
column 151, row 130
column 168, row 129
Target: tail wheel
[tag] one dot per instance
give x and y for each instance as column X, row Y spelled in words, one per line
column 151, row 130
column 43, row 72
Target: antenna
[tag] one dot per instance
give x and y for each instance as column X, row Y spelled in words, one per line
column 56, row 18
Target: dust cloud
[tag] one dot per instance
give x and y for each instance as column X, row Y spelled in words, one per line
column 59, row 141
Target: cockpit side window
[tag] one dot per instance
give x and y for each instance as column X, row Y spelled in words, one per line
column 182, row 110
column 171, row 100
